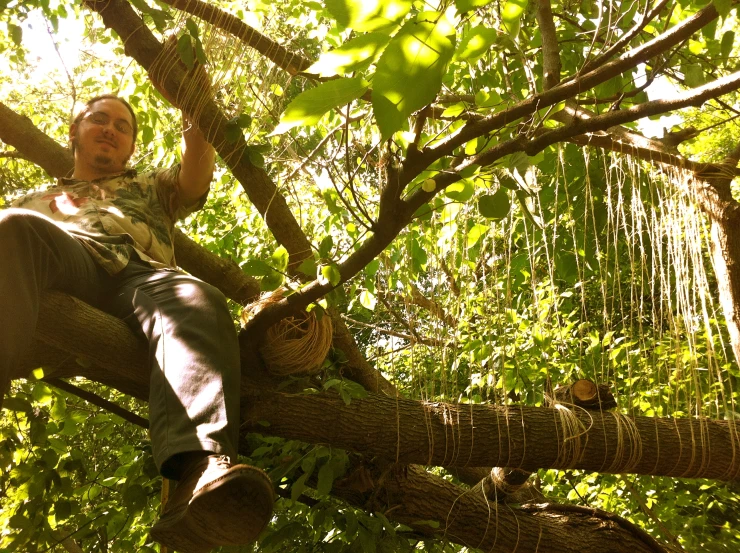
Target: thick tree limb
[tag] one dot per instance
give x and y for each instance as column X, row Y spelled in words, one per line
column 18, row 131
column 222, row 273
column 413, row 496
column 432, row 433
column 530, row 438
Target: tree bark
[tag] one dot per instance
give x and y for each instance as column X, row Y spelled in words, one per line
column 529, row 438
column 723, row 211
column 414, row 497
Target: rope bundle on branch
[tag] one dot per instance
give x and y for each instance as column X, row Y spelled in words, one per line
column 295, row 345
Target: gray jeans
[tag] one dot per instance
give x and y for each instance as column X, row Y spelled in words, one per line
column 193, row 348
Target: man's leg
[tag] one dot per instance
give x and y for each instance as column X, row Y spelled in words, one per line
column 35, row 255
column 194, row 408
column 194, row 358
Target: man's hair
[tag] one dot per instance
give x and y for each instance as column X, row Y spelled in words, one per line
column 89, row 105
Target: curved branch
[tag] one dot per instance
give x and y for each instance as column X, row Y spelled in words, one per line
column 695, row 97
column 35, row 146
column 291, row 62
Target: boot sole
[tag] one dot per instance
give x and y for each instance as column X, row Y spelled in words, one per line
column 232, row 510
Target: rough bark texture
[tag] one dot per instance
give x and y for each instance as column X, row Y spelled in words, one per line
column 530, row 438
column 412, row 496
column 724, row 214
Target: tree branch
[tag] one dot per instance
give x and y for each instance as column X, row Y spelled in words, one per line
column 626, row 38
column 291, row 62
column 550, row 50
column 527, row 438
column 95, row 399
column 565, row 90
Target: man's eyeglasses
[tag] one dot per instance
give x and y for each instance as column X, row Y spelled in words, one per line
column 102, row 118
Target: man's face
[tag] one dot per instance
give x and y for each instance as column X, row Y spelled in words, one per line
column 104, row 138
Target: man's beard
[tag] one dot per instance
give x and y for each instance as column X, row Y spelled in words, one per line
column 101, row 161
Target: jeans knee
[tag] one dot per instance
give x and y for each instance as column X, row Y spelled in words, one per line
column 201, row 295
column 15, row 221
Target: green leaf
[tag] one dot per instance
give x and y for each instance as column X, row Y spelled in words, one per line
column 331, row 274
column 512, row 14
column 409, row 73
column 59, row 408
column 233, row 131
column 308, row 267
column 723, row 7
column 477, row 42
column 255, row 157
column 326, row 479
column 354, row 55
column 185, row 49
column 271, row 281
column 728, row 40
column 475, row 233
column 134, row 497
column 257, row 267
column 298, row 486
column 693, row 75
column 460, row 191
column 326, row 246
column 495, row 206
column 62, row 509
column 368, row 15
column 16, row 33
column 17, row 404
column 192, row 27
column 467, row 5
column 310, row 106
column 41, row 393
column 368, row 300
column 508, row 182
column 200, row 53
column 430, row 523
column 244, row 120
column 280, row 259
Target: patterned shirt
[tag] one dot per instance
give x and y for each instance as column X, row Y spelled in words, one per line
column 118, row 215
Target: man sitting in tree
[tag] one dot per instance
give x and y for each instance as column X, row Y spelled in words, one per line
column 105, row 236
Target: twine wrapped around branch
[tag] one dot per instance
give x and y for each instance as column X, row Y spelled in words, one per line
column 295, row 345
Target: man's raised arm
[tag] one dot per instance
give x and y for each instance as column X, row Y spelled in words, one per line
column 197, row 155
column 198, row 158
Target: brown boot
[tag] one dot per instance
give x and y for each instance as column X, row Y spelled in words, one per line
column 216, row 504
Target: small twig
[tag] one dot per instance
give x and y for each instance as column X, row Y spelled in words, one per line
column 99, row 401
column 64, row 66
column 410, row 338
